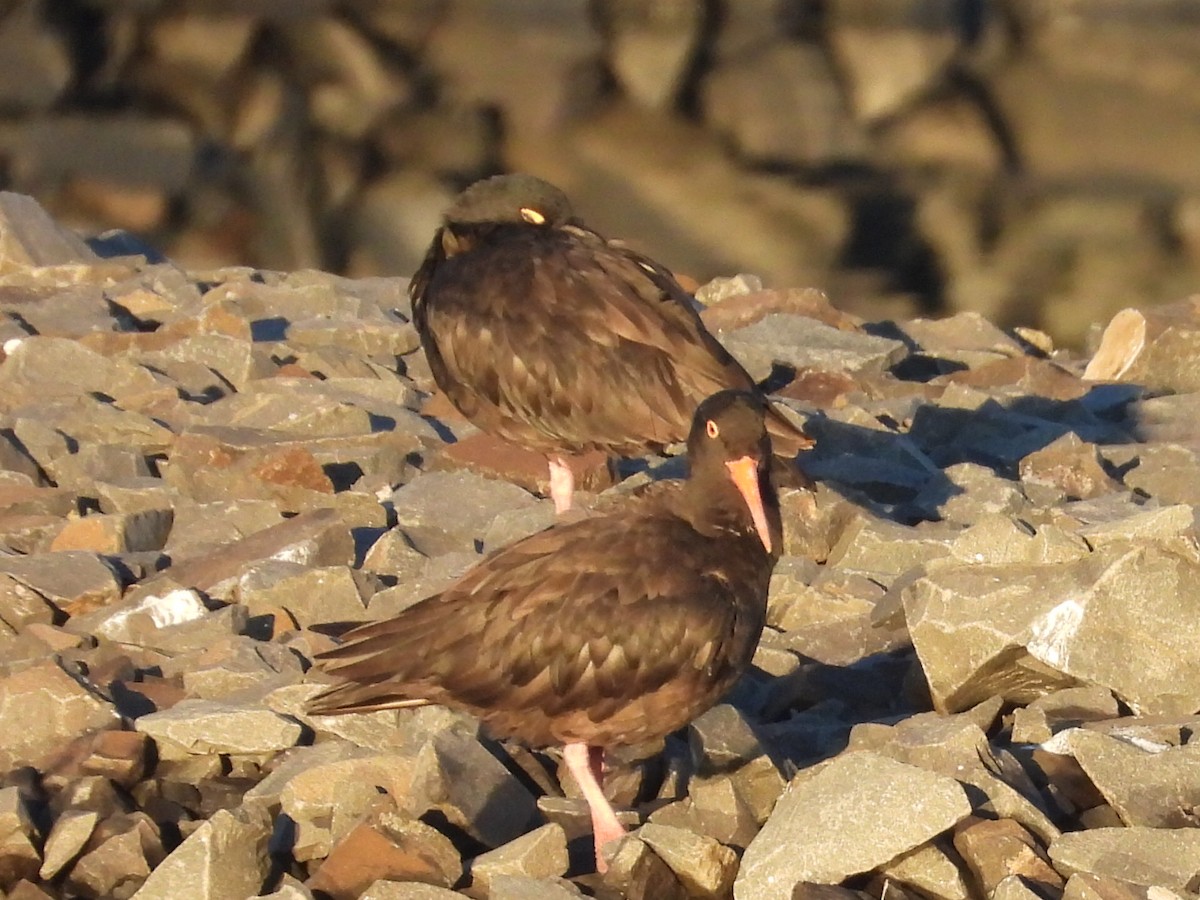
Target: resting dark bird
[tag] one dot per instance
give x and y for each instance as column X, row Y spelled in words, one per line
column 608, row 631
column 542, row 332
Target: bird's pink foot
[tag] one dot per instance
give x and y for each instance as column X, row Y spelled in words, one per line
column 562, row 484
column 586, row 765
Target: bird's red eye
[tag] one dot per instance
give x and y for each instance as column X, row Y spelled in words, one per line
column 711, row 429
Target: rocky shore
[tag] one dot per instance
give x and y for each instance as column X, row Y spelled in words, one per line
column 978, row 678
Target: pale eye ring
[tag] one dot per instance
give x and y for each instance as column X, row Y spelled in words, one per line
column 532, row 216
column 711, row 429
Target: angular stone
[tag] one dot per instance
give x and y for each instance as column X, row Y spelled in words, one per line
column 31, row 238
column 209, row 726
column 999, row 539
column 474, row 790
column 1152, row 787
column 640, row 874
column 1020, row 631
column 119, row 857
column 1092, row 887
column 390, row 849
column 67, row 839
column 802, row 343
column 1156, row 348
column 445, row 511
column 312, row 538
column 703, row 866
column 817, row 833
column 326, row 790
column 955, row 746
column 113, row 534
column 1163, row 857
column 309, row 595
column 721, row 739
column 44, row 367
column 73, row 582
column 931, row 870
column 542, row 853
column 136, row 620
column 998, row 848
column 226, row 856
column 1070, row 465
column 43, row 708
column 234, row 667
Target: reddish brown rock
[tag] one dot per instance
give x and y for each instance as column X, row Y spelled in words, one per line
column 371, row 852
column 997, row 848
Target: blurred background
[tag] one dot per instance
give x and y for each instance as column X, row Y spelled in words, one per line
column 1036, row 161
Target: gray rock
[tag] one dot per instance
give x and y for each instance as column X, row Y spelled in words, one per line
column 1036, row 628
column 457, row 775
column 44, row 708
column 955, row 746
column 444, row 511
column 18, row 858
column 309, row 595
column 1156, row 787
column 703, row 866
column 317, row 538
column 817, row 831
column 805, row 343
column 120, row 856
column 886, row 549
column 1163, row 857
column 66, row 840
column 209, row 726
column 640, row 874
column 721, row 739
column 31, row 238
column 1000, row 539
column 932, row 870
column 326, row 791
column 540, row 854
column 226, row 856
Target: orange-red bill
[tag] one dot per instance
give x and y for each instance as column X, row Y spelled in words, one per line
column 744, row 473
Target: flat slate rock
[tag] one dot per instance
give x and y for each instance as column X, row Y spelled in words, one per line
column 819, row 832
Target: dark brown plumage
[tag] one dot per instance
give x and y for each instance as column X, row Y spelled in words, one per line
column 544, row 333
column 607, row 631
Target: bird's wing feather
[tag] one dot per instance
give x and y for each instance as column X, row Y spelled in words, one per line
column 558, row 622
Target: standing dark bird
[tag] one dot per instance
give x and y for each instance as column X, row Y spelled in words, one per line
column 542, row 332
column 607, row 631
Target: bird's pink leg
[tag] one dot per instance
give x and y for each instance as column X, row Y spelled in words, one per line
column 585, row 764
column 562, row 484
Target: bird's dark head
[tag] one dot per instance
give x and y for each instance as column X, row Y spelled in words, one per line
column 728, row 445
column 508, row 199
